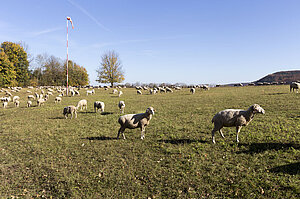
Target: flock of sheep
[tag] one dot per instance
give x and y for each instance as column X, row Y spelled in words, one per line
column 226, row 118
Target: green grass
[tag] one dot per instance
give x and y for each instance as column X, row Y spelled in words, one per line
column 44, row 155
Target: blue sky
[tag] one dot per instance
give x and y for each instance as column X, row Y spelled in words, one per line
column 171, row 41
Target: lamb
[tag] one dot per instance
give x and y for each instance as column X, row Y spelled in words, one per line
column 31, row 97
column 70, row 110
column 234, row 117
column 90, row 92
column 16, row 98
column 293, row 86
column 121, row 106
column 99, row 105
column 82, row 104
column 193, row 90
column 17, row 103
column 40, row 102
column 5, row 103
column 120, row 93
column 57, row 99
column 139, row 92
column 29, row 103
column 132, row 121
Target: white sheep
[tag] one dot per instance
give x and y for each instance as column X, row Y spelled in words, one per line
column 120, row 93
column 139, row 92
column 234, row 118
column 5, row 103
column 17, row 103
column 70, row 110
column 293, row 86
column 16, row 98
column 40, row 102
column 29, row 103
column 99, row 105
column 31, row 97
column 90, row 92
column 121, row 106
column 115, row 91
column 132, row 121
column 57, row 99
column 82, row 104
column 193, row 90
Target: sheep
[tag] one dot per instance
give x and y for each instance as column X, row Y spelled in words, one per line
column 169, row 90
column 132, row 121
column 5, row 103
column 162, row 90
column 16, row 98
column 37, row 95
column 82, row 104
column 57, row 99
column 31, row 97
column 90, row 92
column 120, row 93
column 293, row 86
column 40, row 102
column 72, row 93
column 193, row 90
column 139, row 92
column 115, row 91
column 17, row 103
column 29, row 103
column 99, row 105
column 234, row 117
column 70, row 110
column 77, row 93
column 121, row 106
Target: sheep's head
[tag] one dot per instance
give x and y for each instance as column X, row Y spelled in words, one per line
column 257, row 109
column 150, row 110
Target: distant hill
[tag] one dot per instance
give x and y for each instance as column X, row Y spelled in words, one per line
column 282, row 76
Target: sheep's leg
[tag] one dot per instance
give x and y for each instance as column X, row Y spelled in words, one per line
column 143, row 133
column 238, row 128
column 66, row 116
column 71, row 115
column 221, row 133
column 213, row 136
column 75, row 114
column 121, row 130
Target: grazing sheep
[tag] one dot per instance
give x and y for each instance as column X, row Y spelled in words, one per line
column 132, row 121
column 99, row 105
column 5, row 103
column 70, row 110
column 29, row 103
column 293, row 86
column 72, row 93
column 40, row 102
column 115, row 91
column 31, row 97
column 193, row 90
column 17, row 103
column 139, row 92
column 90, row 92
column 37, row 95
column 234, row 117
column 162, row 90
column 57, row 99
column 169, row 90
column 82, row 104
column 120, row 93
column 77, row 93
column 16, row 98
column 121, row 106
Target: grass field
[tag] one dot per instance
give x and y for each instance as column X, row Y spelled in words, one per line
column 44, row 155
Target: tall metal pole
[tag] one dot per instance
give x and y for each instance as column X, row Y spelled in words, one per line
column 67, row 61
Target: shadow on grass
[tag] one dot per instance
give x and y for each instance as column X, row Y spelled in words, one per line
column 58, row 118
column 107, row 113
column 277, row 94
column 182, row 141
column 292, row 169
column 100, row 138
column 86, row 112
column 261, row 147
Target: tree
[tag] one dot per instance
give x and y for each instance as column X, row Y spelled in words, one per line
column 18, row 57
column 78, row 75
column 7, row 73
column 110, row 70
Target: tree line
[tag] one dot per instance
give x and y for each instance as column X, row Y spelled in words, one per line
column 18, row 69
